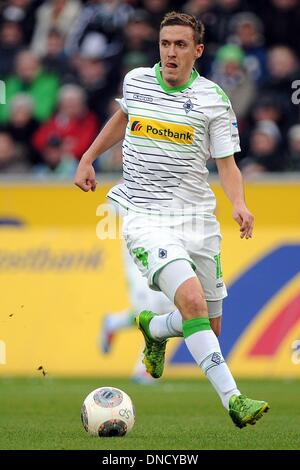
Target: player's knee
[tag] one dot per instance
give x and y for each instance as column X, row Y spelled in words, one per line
column 192, row 305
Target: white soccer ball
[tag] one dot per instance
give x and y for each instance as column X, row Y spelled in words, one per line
column 107, row 412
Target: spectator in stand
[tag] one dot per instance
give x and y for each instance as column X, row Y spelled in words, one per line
column 55, row 60
column 11, row 161
column 203, row 10
column 294, row 148
column 265, row 108
column 108, row 17
column 30, row 78
column 283, row 67
column 73, row 123
column 54, row 14
column 11, row 39
column 22, row 125
column 22, row 12
column 95, row 75
column 56, row 162
column 140, row 37
column 233, row 78
column 225, row 9
column 247, row 32
column 156, row 9
column 265, row 153
column 281, row 19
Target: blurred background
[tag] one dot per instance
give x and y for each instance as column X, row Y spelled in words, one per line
column 62, row 63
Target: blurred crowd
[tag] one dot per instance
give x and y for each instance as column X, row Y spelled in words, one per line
column 62, row 63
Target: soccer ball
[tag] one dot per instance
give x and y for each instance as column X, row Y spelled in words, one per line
column 107, row 412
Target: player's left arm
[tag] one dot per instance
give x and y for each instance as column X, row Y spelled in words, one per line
column 232, row 184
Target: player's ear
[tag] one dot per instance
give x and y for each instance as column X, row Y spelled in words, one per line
column 199, row 51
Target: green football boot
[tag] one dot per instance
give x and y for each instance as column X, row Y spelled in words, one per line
column 154, row 352
column 243, row 410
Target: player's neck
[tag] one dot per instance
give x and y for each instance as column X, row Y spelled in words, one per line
column 176, row 85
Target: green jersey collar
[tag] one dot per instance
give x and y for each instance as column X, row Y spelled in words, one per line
column 170, row 89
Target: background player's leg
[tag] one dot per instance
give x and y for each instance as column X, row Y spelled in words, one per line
column 112, row 324
column 137, row 293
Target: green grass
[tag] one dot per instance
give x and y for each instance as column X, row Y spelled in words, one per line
column 172, row 414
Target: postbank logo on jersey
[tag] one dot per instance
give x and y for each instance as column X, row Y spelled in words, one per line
column 155, row 129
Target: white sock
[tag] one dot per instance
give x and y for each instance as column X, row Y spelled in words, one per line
column 120, row 320
column 166, row 326
column 205, row 349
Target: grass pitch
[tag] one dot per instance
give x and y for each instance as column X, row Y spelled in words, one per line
column 44, row 413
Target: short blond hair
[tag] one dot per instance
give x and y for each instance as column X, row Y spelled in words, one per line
column 182, row 19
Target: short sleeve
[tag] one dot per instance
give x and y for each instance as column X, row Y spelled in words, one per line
column 223, row 133
column 122, row 101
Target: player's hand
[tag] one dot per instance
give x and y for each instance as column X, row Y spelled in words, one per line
column 245, row 220
column 85, row 177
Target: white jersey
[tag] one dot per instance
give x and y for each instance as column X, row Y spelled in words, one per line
column 171, row 133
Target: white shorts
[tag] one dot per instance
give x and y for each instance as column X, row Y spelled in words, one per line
column 141, row 296
column 156, row 240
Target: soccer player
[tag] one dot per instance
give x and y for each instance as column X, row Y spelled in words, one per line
column 174, row 120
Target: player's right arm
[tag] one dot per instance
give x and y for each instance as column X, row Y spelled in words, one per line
column 112, row 133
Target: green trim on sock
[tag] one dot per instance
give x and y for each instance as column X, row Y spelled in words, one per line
column 189, row 327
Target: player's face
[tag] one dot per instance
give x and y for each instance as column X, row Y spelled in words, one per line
column 178, row 53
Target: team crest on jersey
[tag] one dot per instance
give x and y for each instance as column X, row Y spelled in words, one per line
column 188, row 106
column 161, row 130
